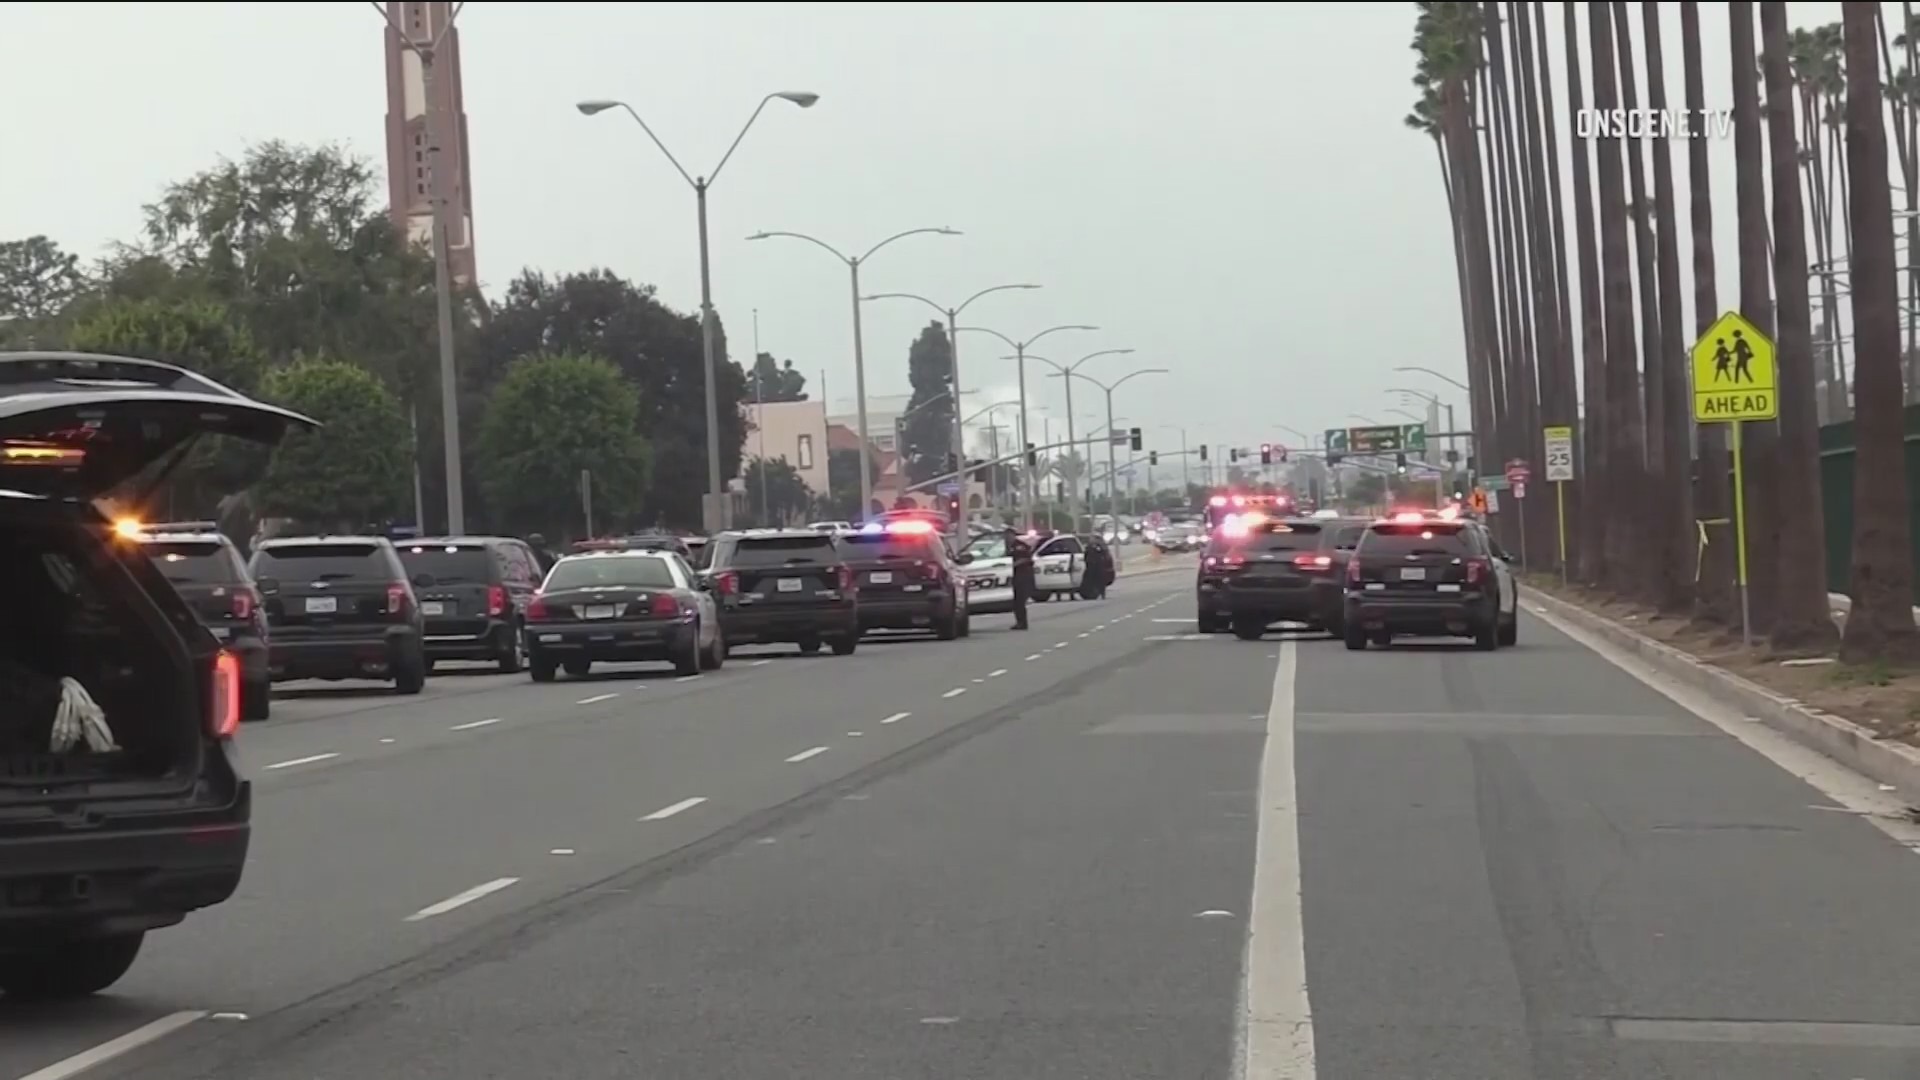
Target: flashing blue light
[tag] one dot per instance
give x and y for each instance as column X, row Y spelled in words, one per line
column 873, row 527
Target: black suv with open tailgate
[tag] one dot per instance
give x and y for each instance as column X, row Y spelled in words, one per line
column 781, row 585
column 342, row 607
column 212, row 577
column 122, row 807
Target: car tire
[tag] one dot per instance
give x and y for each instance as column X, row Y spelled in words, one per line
column 690, row 657
column 70, row 969
column 579, row 669
column 717, row 652
column 1510, row 631
column 966, row 624
column 948, row 628
column 810, row 646
column 1248, row 630
column 1211, row 624
column 1356, row 639
column 1486, row 636
column 844, row 646
column 542, row 668
column 412, row 676
column 515, row 657
column 256, row 700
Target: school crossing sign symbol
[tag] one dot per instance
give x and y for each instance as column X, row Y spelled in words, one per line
column 1734, row 376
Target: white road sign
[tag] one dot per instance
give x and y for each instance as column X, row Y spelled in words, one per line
column 1559, row 442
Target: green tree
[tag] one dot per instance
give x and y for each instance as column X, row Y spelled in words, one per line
column 927, row 432
column 551, row 417
column 772, row 380
column 201, row 336
column 787, row 496
column 37, row 282
column 353, row 471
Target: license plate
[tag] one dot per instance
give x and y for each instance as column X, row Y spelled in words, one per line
column 1413, row 573
column 792, row 584
column 432, row 607
column 221, row 632
column 878, row 577
column 322, row 605
column 597, row 611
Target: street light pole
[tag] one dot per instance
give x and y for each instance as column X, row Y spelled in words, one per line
column 714, row 514
column 1067, row 371
column 1020, row 355
column 854, row 263
column 759, row 416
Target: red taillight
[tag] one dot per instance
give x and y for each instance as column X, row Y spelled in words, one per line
column 665, row 606
column 1476, row 569
column 846, row 578
column 1353, row 570
column 726, row 583
column 243, row 603
column 1313, row 562
column 223, row 697
column 536, row 608
column 496, row 600
column 396, row 598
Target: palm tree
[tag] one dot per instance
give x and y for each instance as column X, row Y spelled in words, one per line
column 1625, row 468
column 1713, row 593
column 1802, row 618
column 1648, row 402
column 1424, row 118
column 1522, row 273
column 1880, row 623
column 1597, row 492
column 1905, row 90
column 1672, row 427
column 1814, row 56
column 1756, row 303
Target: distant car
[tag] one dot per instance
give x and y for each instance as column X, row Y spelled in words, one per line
column 341, row 607
column 480, row 588
column 211, row 576
column 908, row 579
column 1421, row 574
column 622, row 607
column 785, row 585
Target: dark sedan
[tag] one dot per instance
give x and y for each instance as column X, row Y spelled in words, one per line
column 621, row 607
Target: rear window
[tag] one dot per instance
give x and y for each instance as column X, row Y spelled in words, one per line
column 194, row 562
column 884, row 546
column 782, row 550
column 1348, row 536
column 320, row 562
column 1423, row 539
column 450, row 564
column 590, row 572
column 1284, row 538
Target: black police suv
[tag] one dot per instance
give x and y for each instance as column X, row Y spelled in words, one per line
column 211, row 576
column 342, row 607
column 622, row 607
column 480, row 587
column 909, row 579
column 144, row 818
column 1420, row 575
column 1256, row 573
column 785, row 585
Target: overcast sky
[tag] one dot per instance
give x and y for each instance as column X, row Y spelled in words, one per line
column 1225, row 188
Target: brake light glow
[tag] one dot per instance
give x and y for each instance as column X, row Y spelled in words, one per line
column 1239, row 501
column 496, row 600
column 846, row 576
column 1226, row 561
column 1476, row 569
column 910, row 527
column 1409, row 517
column 726, row 583
column 223, row 696
column 537, row 608
column 243, row 603
column 665, row 606
column 1313, row 562
column 396, row 597
column 1353, row 571
column 1217, row 500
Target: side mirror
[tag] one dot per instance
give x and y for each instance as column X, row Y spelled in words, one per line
column 423, row 581
column 703, row 583
column 267, row 584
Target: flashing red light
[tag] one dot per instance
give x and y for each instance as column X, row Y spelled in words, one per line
column 910, row 527
column 1217, row 500
column 1313, row 562
column 1409, row 517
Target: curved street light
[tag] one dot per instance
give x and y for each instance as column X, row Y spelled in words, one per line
column 715, row 511
column 854, row 263
column 953, row 348
column 1069, row 369
column 1020, row 353
column 1069, row 375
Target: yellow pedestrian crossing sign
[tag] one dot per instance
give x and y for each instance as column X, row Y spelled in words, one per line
column 1734, row 377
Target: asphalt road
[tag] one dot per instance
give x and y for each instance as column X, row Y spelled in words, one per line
column 1029, row 856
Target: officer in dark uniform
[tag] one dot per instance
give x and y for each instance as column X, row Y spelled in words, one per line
column 1022, row 554
column 538, row 545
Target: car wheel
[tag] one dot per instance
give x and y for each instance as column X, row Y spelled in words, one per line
column 810, row 646
column 1486, row 637
column 689, row 658
column 542, row 668
column 1249, row 630
column 1356, row 639
column 716, row 652
column 1510, row 631
column 579, row 669
column 515, row 657
column 966, row 624
column 69, row 969
column 844, row 646
column 1210, row 624
column 948, row 628
column 256, row 700
column 412, row 676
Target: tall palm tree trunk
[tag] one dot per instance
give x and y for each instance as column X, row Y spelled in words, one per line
column 1459, row 250
column 1511, row 332
column 1713, row 591
column 1673, row 491
column 1641, row 211
column 1802, row 619
column 1522, row 392
column 1457, row 113
column 1563, row 410
column 1758, row 441
column 1597, row 489
column 1625, row 468
column 1813, row 169
column 1880, row 623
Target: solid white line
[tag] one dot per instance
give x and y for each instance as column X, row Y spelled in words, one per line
column 597, row 698
column 113, row 1048
column 1275, row 1022
column 1034, row 657
column 896, row 718
column 666, row 812
column 302, row 761
column 463, row 899
column 686, row 678
column 805, row 754
column 474, row 724
column 996, row 673
column 1175, row 620
column 760, row 663
column 955, row 692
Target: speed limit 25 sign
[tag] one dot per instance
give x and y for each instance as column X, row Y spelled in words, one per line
column 1559, row 447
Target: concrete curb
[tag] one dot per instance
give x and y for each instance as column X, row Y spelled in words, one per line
column 1837, row 737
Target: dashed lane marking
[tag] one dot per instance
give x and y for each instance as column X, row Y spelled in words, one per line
column 597, row 698
column 97, row 1056
column 460, row 900
column 682, row 806
column 1033, row 657
column 311, row 759
column 469, row 726
column 996, row 673
column 896, row 718
column 805, row 754
column 955, row 692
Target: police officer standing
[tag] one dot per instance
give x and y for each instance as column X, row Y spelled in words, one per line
column 1022, row 554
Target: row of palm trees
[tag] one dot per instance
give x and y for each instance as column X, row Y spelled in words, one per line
column 1810, row 119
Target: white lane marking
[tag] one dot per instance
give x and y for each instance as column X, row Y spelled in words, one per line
column 760, row 663
column 1274, row 1033
column 996, row 673
column 1083, row 635
column 309, row 760
column 682, row 806
column 1034, row 657
column 1174, row 620
column 461, row 900
column 474, row 724
column 955, row 692
column 385, row 742
column 978, row 681
column 805, row 754
column 133, row 1040
column 561, row 851
column 896, row 718
column 686, row 678
column 598, row 698
column 1059, row 645
column 855, row 734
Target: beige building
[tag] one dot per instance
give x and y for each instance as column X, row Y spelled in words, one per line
column 790, row 431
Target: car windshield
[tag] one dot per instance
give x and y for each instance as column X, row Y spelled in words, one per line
column 643, row 572
column 1283, row 538
column 319, row 562
column 993, row 546
column 783, row 550
column 450, row 564
column 194, row 562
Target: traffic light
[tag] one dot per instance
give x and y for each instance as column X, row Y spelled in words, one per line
column 1153, row 458
column 1203, row 451
column 1400, row 462
column 1133, row 438
column 1033, row 457
column 1266, row 453
column 1283, row 455
column 953, row 509
column 1233, row 453
column 953, row 462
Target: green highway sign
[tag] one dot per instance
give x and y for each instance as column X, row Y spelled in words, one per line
column 1413, row 437
column 1381, row 439
column 1336, row 440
